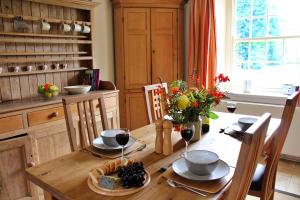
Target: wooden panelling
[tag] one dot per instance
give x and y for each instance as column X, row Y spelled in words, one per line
column 11, row 123
column 44, row 116
column 34, row 47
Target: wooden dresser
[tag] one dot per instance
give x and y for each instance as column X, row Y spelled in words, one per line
column 148, row 44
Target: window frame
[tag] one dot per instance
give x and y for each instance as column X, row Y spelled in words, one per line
column 229, row 49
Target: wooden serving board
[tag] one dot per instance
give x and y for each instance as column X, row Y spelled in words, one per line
column 118, row 191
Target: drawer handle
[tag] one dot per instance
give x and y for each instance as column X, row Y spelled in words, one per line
column 54, row 114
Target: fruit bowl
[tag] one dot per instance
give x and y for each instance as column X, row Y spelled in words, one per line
column 48, row 90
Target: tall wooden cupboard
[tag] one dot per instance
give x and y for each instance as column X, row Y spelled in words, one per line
column 148, row 36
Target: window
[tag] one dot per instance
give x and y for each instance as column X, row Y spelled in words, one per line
column 264, row 43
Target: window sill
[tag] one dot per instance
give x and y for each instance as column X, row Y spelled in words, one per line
column 264, row 98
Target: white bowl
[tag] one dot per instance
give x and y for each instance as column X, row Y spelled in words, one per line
column 201, row 162
column 78, row 89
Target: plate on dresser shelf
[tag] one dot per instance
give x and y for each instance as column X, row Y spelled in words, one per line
column 98, row 143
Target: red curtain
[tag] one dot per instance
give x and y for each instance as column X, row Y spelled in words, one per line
column 202, row 52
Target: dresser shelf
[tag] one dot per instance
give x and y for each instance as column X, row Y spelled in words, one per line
column 8, row 74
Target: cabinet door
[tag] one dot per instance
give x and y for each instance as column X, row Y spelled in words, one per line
column 164, row 44
column 137, row 47
column 136, row 113
column 14, row 156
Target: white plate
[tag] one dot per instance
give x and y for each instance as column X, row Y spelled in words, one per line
column 180, row 168
column 235, row 126
column 98, row 143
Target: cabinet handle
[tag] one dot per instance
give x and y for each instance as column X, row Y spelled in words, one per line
column 54, row 114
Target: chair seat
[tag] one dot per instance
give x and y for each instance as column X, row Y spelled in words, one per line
column 257, row 180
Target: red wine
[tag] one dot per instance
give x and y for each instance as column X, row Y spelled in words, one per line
column 205, row 128
column 187, row 134
column 231, row 109
column 122, row 138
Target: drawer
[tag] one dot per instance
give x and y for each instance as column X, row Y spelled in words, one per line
column 11, row 123
column 110, row 103
column 44, row 116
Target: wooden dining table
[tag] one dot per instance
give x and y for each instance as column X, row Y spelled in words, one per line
column 65, row 178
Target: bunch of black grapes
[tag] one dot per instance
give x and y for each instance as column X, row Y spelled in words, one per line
column 132, row 175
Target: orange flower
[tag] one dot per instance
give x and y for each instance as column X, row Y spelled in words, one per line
column 174, row 90
column 195, row 104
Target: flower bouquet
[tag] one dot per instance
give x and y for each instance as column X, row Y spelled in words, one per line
column 187, row 105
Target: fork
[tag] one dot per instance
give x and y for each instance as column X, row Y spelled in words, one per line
column 174, row 184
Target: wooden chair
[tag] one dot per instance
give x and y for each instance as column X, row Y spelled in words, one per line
column 86, row 110
column 251, row 149
column 156, row 104
column 263, row 184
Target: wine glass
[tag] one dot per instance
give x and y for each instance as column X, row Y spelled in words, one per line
column 122, row 138
column 187, row 133
column 231, row 106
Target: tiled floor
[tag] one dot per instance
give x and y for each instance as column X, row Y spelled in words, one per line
column 288, row 180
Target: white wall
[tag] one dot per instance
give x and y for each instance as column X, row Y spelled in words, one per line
column 291, row 148
column 103, row 39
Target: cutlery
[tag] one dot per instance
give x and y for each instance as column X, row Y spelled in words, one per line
column 136, row 150
column 174, row 184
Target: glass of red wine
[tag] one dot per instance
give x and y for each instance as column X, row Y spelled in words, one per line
column 231, row 106
column 187, row 133
column 122, row 138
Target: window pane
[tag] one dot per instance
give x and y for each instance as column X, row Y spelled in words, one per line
column 292, row 51
column 275, row 50
column 274, row 29
column 241, row 51
column 259, row 27
column 256, row 66
column 242, row 8
column 243, row 28
column 274, row 6
column 242, row 66
column 259, row 8
column 258, row 51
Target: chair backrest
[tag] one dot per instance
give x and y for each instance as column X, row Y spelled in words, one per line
column 277, row 143
column 87, row 118
column 156, row 103
column 251, row 149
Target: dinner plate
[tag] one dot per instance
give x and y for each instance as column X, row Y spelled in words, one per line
column 181, row 169
column 235, row 126
column 98, row 143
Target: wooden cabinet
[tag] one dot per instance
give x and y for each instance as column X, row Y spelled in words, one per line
column 148, row 45
column 136, row 112
column 15, row 154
